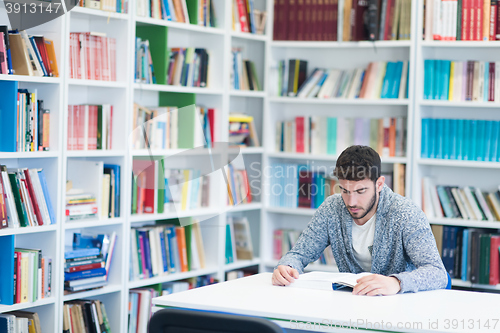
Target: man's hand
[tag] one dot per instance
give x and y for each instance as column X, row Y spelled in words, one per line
column 376, row 284
column 284, row 275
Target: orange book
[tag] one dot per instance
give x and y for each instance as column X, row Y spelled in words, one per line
column 380, row 141
column 392, row 138
column 362, row 92
column 181, row 243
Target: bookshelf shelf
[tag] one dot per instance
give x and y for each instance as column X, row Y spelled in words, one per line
column 28, row 230
column 466, row 223
column 302, row 156
column 95, row 153
column 179, row 26
column 96, row 83
column 179, row 89
column 339, row 101
column 171, row 277
column 331, row 45
column 189, row 213
column 27, row 305
column 168, row 152
column 459, row 163
column 31, row 79
column 109, row 289
column 467, row 104
column 248, row 93
column 244, row 207
column 468, row 284
column 291, row 211
column 33, row 154
column 82, row 11
column 252, row 150
column 249, row 36
column 239, row 264
column 460, row 44
column 92, row 223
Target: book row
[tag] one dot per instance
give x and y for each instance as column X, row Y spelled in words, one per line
column 461, row 20
column 238, row 239
column 25, row 121
column 242, row 130
column 469, row 254
column 476, row 81
column 139, row 301
column 87, row 261
column 377, row 80
column 305, row 20
column 32, row 276
column 165, row 249
column 461, row 139
column 239, row 186
column 170, row 128
column 24, row 198
column 468, row 203
column 85, row 316
column 331, row 135
column 20, row 322
column 243, row 73
column 188, row 67
column 248, row 19
column 157, row 189
column 198, row 12
column 144, row 72
column 377, row 20
column 92, row 56
column 21, row 54
column 90, row 127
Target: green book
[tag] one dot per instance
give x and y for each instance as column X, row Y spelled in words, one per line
column 160, row 55
column 331, row 131
column 188, row 231
column 161, row 187
column 105, row 318
column 23, row 219
column 484, row 258
column 193, row 11
column 134, row 194
column 374, row 133
column 255, row 77
column 229, row 247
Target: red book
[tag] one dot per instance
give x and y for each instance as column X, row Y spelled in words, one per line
column 301, row 20
column 465, row 19
column 307, row 20
column 491, row 85
column 92, row 127
column 3, row 206
column 276, row 21
column 470, row 80
column 211, row 121
column 89, row 73
column 493, row 20
column 105, row 75
column 112, row 56
column 314, row 19
column 392, row 138
column 243, row 16
column 97, row 57
column 292, row 19
column 34, row 201
column 494, row 260
column 497, row 37
column 17, row 263
column 86, row 267
column 479, row 19
column 278, row 240
column 299, row 132
column 389, row 18
column 334, row 7
column 145, row 172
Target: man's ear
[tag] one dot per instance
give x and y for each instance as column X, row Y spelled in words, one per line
column 380, row 183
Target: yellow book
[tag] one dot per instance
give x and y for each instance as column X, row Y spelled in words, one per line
column 240, row 118
column 185, row 189
column 296, row 77
column 452, row 74
column 25, row 261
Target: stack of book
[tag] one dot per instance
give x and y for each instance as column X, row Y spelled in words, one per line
column 461, row 139
column 117, row 6
column 248, row 19
column 88, row 261
column 377, row 80
column 242, row 130
column 243, row 73
column 188, row 67
column 90, row 127
column 85, row 316
column 330, row 135
column 199, row 12
column 144, row 72
column 305, row 20
column 461, row 20
column 80, row 206
column 21, row 54
column 24, row 198
column 239, row 186
column 32, row 275
column 92, row 56
column 166, row 249
column 468, row 203
column 20, row 321
column 469, row 254
column 163, row 127
column 477, row 81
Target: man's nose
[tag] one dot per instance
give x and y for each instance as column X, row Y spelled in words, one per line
column 352, row 200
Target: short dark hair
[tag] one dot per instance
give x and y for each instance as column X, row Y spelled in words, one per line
column 357, row 163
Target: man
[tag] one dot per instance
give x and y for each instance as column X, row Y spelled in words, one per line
column 369, row 228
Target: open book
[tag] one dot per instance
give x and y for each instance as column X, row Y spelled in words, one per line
column 327, row 281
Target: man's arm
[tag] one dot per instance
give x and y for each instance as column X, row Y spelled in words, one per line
column 312, row 241
column 420, row 246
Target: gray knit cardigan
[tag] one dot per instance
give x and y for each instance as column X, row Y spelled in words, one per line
column 403, row 245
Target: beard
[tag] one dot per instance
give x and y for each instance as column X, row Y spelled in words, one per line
column 366, row 211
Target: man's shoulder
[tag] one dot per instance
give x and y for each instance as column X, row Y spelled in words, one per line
column 396, row 205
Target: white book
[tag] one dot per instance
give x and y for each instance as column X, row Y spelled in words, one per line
column 458, row 81
column 482, row 203
column 86, row 127
column 326, row 280
column 185, row 11
column 427, row 198
column 341, row 134
column 311, row 83
column 460, row 203
column 11, row 205
column 42, row 204
column 472, row 203
column 429, row 16
column 435, row 199
column 315, row 149
column 467, row 204
column 403, row 82
column 497, row 81
column 436, row 24
column 154, row 251
column 480, row 88
column 327, row 87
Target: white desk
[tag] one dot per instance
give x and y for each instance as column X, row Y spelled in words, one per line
column 321, row 311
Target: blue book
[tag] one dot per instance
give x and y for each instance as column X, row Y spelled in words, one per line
column 332, row 136
column 428, row 77
column 432, row 138
column 86, row 241
column 168, row 16
column 466, row 139
column 439, row 138
column 46, row 194
column 481, row 140
column 396, row 81
column 7, row 271
column 85, row 274
column 71, row 253
column 445, row 87
column 495, row 133
column 314, row 191
column 486, row 81
column 465, row 252
column 446, row 139
column 116, row 170
column 436, row 88
column 407, row 80
column 472, row 140
column 386, row 85
column 459, row 141
column 488, row 138
column 134, row 300
column 425, row 138
column 252, row 17
column 147, row 251
column 453, row 138
column 38, row 56
column 451, row 251
column 8, row 114
column 445, row 201
column 446, row 246
column 163, row 251
column 170, row 234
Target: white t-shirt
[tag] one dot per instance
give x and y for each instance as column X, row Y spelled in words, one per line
column 362, row 243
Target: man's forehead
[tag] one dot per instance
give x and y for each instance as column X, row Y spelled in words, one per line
column 352, row 185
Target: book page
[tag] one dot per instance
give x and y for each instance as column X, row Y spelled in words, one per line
column 323, row 280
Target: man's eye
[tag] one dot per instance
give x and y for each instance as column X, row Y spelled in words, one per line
column 361, row 191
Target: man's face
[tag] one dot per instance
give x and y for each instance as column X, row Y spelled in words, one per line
column 359, row 197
